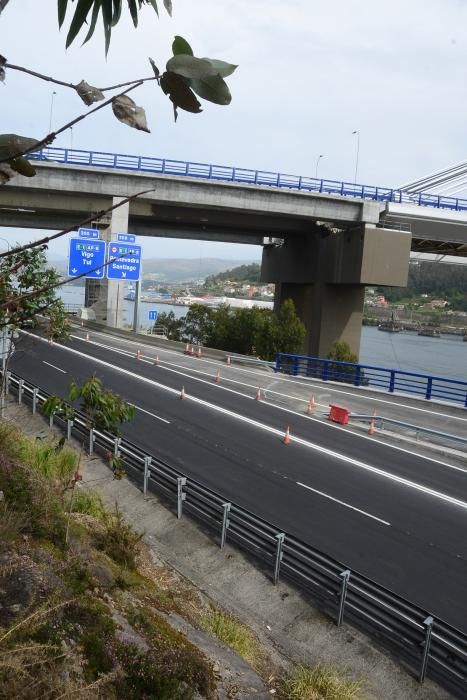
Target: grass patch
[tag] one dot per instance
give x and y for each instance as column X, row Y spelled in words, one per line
column 12, row 524
column 319, row 683
column 119, row 539
column 89, row 503
column 233, row 633
column 47, row 456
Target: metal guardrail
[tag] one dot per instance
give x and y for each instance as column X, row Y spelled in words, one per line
column 425, row 645
column 382, row 378
column 243, row 176
column 381, row 420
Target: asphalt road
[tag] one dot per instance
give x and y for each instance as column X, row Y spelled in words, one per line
column 395, row 516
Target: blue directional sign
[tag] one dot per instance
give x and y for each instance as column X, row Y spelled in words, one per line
column 85, row 256
column 126, row 238
column 152, row 315
column 127, row 265
column 88, row 233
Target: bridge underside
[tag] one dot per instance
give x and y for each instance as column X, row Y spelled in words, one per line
column 321, row 250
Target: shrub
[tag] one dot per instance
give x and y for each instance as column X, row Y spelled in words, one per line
column 88, row 502
column 119, row 540
column 12, row 523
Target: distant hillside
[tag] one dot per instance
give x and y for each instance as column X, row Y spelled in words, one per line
column 248, row 272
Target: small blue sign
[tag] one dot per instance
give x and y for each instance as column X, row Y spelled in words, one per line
column 127, row 265
column 152, row 315
column 86, row 256
column 126, row 238
column 88, row 233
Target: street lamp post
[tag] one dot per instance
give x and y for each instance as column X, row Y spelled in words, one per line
column 51, row 110
column 317, row 163
column 4, row 353
column 356, row 132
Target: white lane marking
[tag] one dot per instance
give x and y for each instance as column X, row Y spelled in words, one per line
column 267, row 428
column 54, row 366
column 306, row 381
column 330, row 425
column 138, row 408
column 342, row 503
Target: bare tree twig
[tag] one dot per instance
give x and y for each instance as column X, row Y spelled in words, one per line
column 50, row 138
column 73, row 86
column 98, row 215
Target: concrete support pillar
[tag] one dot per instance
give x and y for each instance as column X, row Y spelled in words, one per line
column 330, row 312
column 325, row 274
column 106, row 296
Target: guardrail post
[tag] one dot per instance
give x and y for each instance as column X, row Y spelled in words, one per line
column 7, row 384
column 69, row 425
column 117, row 443
column 35, row 391
column 429, row 386
column 225, row 522
column 91, row 441
column 392, row 381
column 295, row 367
column 345, row 575
column 147, row 464
column 358, row 372
column 426, row 648
column 20, row 390
column 51, row 420
column 181, row 496
column 325, row 372
column 280, row 537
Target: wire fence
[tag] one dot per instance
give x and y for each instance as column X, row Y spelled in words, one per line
column 425, row 645
column 244, row 176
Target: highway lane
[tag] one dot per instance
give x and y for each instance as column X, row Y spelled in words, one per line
column 404, row 538
column 415, row 410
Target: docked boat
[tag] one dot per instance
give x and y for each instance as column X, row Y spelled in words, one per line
column 430, row 332
column 391, row 325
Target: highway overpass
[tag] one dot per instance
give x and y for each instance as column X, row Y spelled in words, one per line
column 323, row 241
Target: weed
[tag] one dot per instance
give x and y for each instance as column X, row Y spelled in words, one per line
column 119, row 540
column 12, row 524
column 233, row 633
column 88, row 502
column 319, row 683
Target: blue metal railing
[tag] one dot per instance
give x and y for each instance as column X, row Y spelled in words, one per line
column 382, row 378
column 244, row 176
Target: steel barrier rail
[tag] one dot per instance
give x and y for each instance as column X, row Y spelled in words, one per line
column 381, row 420
column 424, row 645
column 384, row 378
column 244, row 176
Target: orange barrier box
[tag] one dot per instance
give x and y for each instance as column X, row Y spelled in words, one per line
column 339, row 414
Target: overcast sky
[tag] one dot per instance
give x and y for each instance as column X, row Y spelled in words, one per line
column 310, row 73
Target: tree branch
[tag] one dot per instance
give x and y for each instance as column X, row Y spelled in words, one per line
column 3, row 4
column 50, row 138
column 98, row 215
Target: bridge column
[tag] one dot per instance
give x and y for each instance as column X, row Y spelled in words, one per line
column 106, row 296
column 325, row 274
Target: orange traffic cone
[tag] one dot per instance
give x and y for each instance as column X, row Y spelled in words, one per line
column 286, row 438
column 312, row 401
column 258, row 394
column 87, row 336
column 187, row 349
column 228, row 360
column 192, row 350
column 138, row 354
column 198, row 353
column 218, row 375
column 156, row 361
column 371, row 429
column 309, row 408
column 182, row 393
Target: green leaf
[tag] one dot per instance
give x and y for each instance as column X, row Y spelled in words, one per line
column 79, row 18
column 61, row 11
column 180, row 93
column 214, row 89
column 221, row 67
column 154, row 67
column 12, row 145
column 92, row 26
column 154, row 4
column 168, row 6
column 133, row 11
column 190, row 66
column 180, row 45
column 22, row 166
column 117, row 12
